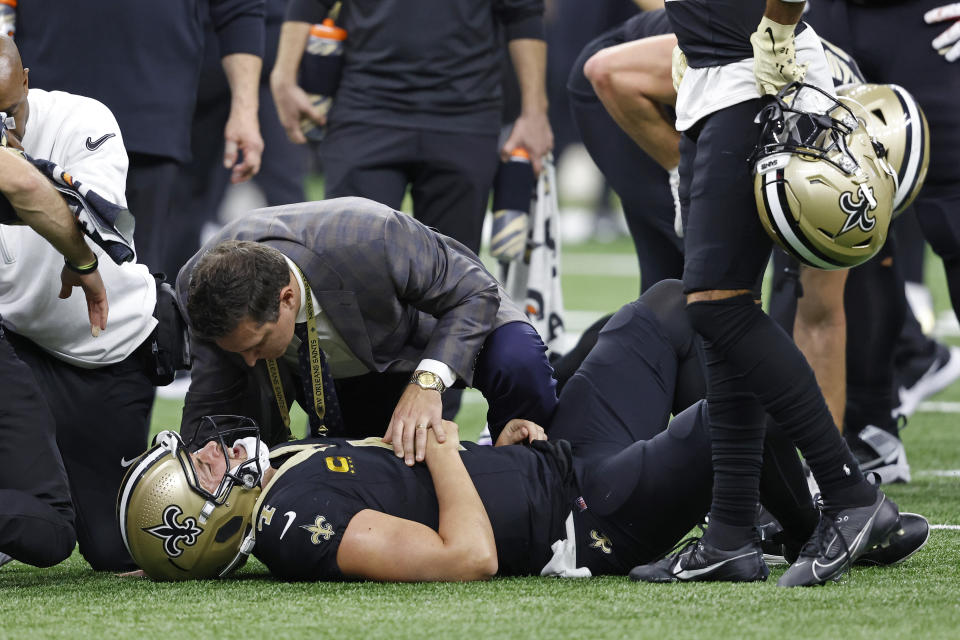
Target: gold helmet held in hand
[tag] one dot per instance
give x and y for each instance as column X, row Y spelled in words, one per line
column 902, row 128
column 173, row 527
column 823, row 186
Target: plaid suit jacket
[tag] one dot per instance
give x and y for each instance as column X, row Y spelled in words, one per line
column 395, row 290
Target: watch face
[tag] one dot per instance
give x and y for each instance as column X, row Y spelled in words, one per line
column 426, row 377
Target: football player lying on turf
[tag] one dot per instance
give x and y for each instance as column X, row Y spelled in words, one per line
column 334, row 509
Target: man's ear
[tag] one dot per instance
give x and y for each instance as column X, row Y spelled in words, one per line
column 288, row 297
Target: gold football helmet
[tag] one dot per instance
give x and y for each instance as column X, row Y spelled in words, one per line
column 823, row 186
column 174, row 528
column 900, row 125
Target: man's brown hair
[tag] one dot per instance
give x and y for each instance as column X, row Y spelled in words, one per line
column 235, row 280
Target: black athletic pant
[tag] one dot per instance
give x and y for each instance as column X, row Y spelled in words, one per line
column 646, row 484
column 203, row 181
column 643, row 187
column 36, row 514
column 876, row 309
column 150, row 186
column 102, row 419
column 449, row 174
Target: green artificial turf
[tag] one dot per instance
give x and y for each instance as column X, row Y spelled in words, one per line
column 919, row 599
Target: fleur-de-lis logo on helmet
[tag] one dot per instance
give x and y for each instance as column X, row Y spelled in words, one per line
column 173, row 532
column 858, row 211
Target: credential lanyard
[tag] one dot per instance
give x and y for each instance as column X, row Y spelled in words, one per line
column 316, row 373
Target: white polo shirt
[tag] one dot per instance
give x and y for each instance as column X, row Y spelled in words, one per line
column 82, row 136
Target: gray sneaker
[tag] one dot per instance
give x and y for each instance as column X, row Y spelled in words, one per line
column 840, row 539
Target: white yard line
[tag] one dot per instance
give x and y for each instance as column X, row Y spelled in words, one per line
column 939, row 407
column 939, row 473
column 946, row 527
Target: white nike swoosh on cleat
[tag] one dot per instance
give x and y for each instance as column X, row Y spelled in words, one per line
column 853, row 547
column 687, row 574
column 126, row 463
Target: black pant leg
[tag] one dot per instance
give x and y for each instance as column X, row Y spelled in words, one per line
column 514, row 375
column 367, row 161
column 643, row 187
column 102, row 421
column 875, row 306
column 452, row 182
column 36, row 512
column 150, row 187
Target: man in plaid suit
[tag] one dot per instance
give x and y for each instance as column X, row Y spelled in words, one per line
column 401, row 312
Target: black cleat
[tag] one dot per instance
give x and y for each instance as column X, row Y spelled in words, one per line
column 840, row 539
column 912, row 535
column 4, row 559
column 699, row 561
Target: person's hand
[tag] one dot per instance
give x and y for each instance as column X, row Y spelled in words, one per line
column 532, row 132
column 433, row 445
column 244, row 146
column 518, row 430
column 948, row 42
column 293, row 105
column 417, row 411
column 775, row 57
column 95, row 292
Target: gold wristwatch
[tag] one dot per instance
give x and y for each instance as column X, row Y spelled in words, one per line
column 428, row 380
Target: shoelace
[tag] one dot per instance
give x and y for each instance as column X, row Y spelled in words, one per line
column 681, row 547
column 818, row 545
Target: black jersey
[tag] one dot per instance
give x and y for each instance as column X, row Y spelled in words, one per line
column 301, row 516
column 716, row 32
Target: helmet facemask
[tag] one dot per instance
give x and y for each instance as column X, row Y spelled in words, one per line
column 823, row 185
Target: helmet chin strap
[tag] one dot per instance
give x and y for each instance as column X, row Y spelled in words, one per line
column 246, row 548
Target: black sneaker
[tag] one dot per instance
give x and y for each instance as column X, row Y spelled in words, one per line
column 912, row 535
column 699, row 561
column 840, row 539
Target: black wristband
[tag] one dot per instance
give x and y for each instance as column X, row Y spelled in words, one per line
column 85, row 269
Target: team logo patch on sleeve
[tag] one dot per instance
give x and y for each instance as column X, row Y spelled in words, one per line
column 173, row 532
column 320, row 529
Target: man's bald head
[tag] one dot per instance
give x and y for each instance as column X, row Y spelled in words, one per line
column 13, row 84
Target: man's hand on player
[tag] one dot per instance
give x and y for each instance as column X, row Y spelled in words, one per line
column 417, row 411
